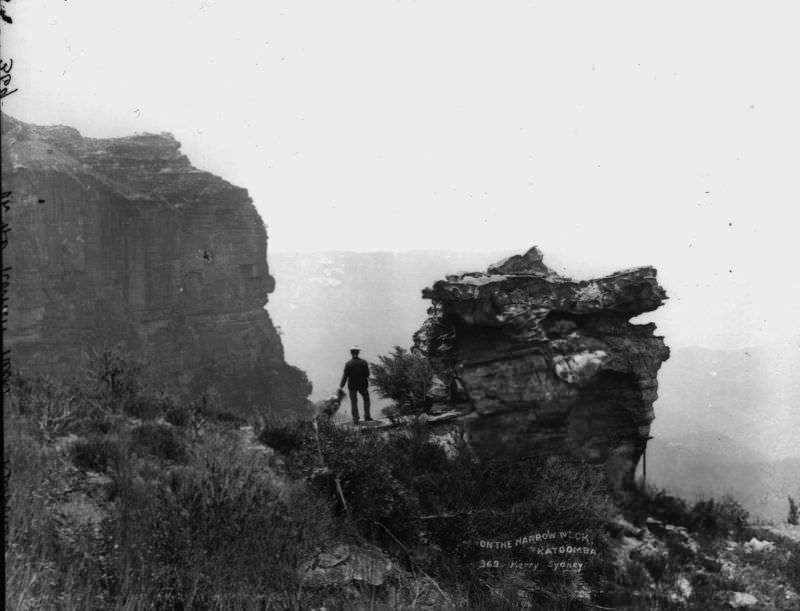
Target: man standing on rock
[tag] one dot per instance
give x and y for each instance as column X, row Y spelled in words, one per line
column 356, row 374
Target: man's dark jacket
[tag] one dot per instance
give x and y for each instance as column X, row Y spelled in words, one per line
column 356, row 374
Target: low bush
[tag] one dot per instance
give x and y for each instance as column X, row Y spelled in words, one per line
column 707, row 517
column 33, row 474
column 147, row 406
column 55, row 558
column 50, row 408
column 793, row 517
column 217, row 529
column 96, row 452
column 221, row 525
column 651, row 502
column 161, row 440
column 714, row 518
column 337, row 458
column 406, row 492
column 113, row 384
column 179, row 415
column 285, row 435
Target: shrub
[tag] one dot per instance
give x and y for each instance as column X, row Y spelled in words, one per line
column 709, row 517
column 659, row 504
column 404, row 490
column 718, row 518
column 227, row 416
column 405, row 378
column 219, row 526
column 285, row 435
column 209, row 406
column 95, row 453
column 53, row 559
column 33, row 476
column 375, row 497
column 113, row 383
column 179, row 415
column 150, row 405
column 160, row 534
column 172, row 536
column 160, row 440
column 114, row 374
column 793, row 517
column 49, row 407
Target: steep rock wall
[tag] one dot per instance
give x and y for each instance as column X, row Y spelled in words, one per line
column 550, row 365
column 122, row 240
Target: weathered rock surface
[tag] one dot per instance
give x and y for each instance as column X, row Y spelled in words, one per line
column 550, row 365
column 344, row 568
column 347, row 563
column 122, row 240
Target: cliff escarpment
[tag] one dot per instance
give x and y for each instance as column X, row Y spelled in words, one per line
column 122, row 240
column 550, row 365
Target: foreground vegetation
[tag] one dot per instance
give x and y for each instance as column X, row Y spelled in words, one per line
column 120, row 496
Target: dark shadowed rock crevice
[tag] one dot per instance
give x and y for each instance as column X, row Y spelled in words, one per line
column 551, row 365
column 122, row 240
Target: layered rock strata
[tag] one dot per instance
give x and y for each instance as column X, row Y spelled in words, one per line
column 549, row 365
column 122, row 240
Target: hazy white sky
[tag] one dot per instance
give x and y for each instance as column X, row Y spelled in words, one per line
column 612, row 134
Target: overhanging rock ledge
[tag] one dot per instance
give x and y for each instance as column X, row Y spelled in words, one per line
column 550, row 365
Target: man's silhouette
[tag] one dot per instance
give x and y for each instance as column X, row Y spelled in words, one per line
column 356, row 374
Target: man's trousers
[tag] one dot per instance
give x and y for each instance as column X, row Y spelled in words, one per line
column 354, row 392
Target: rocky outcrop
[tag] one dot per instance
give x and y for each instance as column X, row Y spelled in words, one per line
column 549, row 365
column 122, row 240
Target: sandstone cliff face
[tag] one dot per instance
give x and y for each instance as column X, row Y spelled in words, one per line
column 550, row 365
column 123, row 240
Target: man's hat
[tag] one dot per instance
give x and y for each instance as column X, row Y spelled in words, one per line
column 355, row 349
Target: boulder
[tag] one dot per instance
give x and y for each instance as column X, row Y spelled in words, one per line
column 550, row 365
column 742, row 600
column 345, row 564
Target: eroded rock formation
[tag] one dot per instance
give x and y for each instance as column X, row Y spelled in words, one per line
column 550, row 365
column 122, row 240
